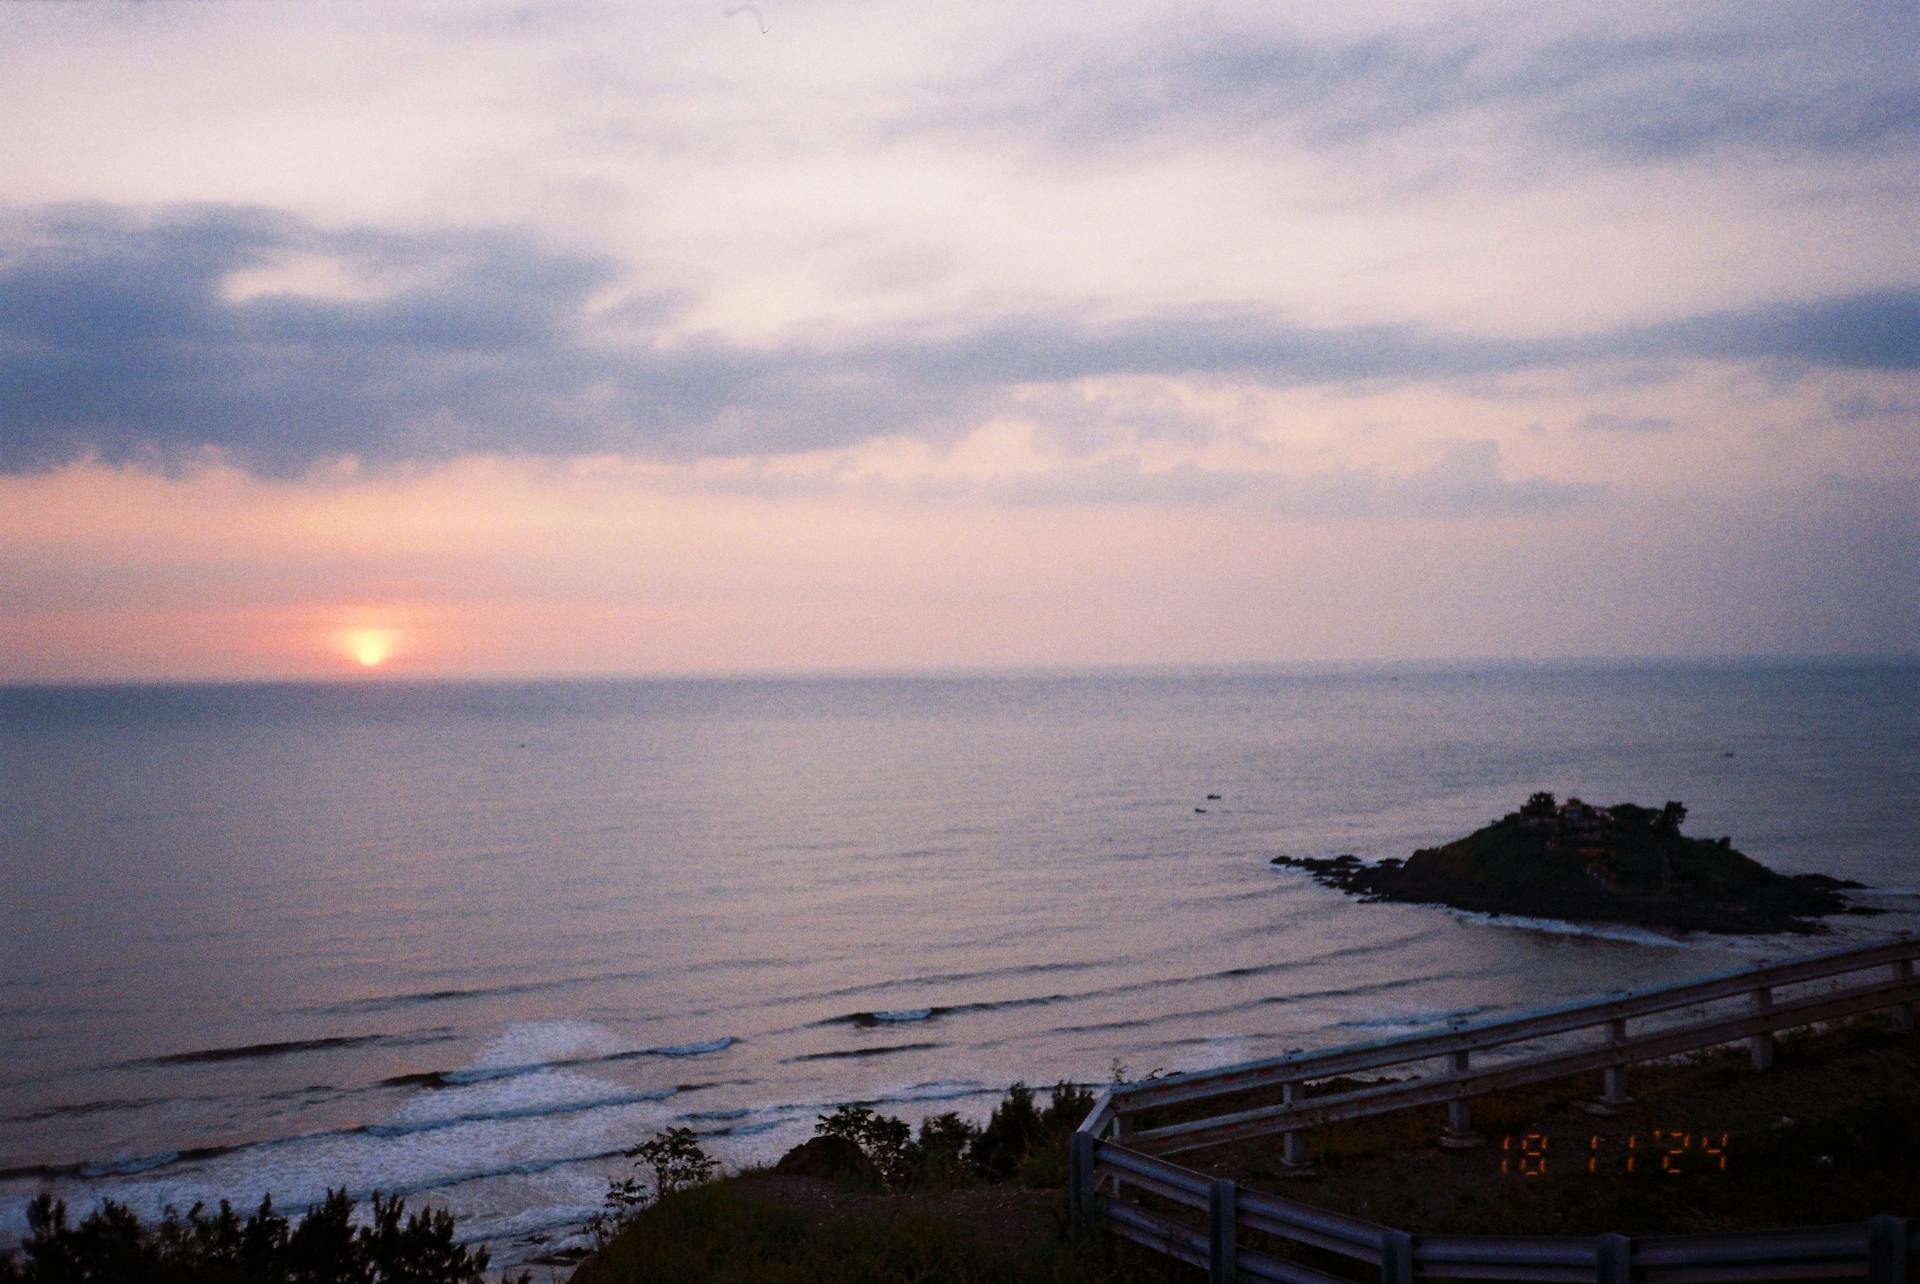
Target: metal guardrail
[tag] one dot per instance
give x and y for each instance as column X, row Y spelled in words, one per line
column 1113, row 1159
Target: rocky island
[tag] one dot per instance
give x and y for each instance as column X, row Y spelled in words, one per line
column 1618, row 864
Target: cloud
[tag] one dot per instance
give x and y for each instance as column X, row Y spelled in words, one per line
column 116, row 339
column 1766, row 79
column 1465, row 481
column 1602, row 421
column 1856, row 409
column 122, row 338
column 282, row 346
column 1873, row 330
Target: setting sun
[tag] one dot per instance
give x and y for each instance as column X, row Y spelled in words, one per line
column 370, row 647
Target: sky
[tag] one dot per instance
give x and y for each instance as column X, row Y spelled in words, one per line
column 342, row 338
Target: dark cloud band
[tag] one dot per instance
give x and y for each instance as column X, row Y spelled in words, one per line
column 1762, row 80
column 122, row 338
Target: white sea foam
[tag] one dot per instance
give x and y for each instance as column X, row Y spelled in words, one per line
column 127, row 1165
column 445, row 1109
column 1596, row 931
column 904, row 1014
column 941, row 1090
column 1410, row 1020
column 1211, row 1051
column 530, row 1046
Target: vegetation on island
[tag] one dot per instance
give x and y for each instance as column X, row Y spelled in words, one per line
column 1621, row 864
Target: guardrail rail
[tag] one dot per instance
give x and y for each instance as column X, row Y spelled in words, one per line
column 1115, row 1161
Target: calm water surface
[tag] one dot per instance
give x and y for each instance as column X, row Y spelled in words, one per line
column 469, row 941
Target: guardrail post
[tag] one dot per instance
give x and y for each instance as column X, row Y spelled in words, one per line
column 1459, row 1133
column 1613, row 1096
column 1081, row 1183
column 1121, row 1131
column 1887, row 1250
column 1760, row 1046
column 1613, row 1259
column 1293, row 1142
column 1903, row 1012
column 1223, row 1211
column 1396, row 1257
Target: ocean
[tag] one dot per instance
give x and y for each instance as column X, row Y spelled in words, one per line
column 469, row 941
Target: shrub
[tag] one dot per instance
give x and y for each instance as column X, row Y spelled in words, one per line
column 1066, row 1108
column 111, row 1246
column 1019, row 1140
column 676, row 1159
column 677, row 1162
column 624, row 1200
column 887, row 1141
column 1047, row 1164
column 944, row 1142
column 1012, row 1132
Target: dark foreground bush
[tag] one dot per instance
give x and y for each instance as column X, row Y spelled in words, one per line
column 1019, row 1142
column 112, row 1246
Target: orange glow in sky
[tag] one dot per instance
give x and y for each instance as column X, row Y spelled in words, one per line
column 370, row 647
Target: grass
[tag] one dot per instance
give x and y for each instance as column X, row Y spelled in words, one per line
column 727, row 1234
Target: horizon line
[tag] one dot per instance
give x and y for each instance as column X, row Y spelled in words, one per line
column 1433, row 665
